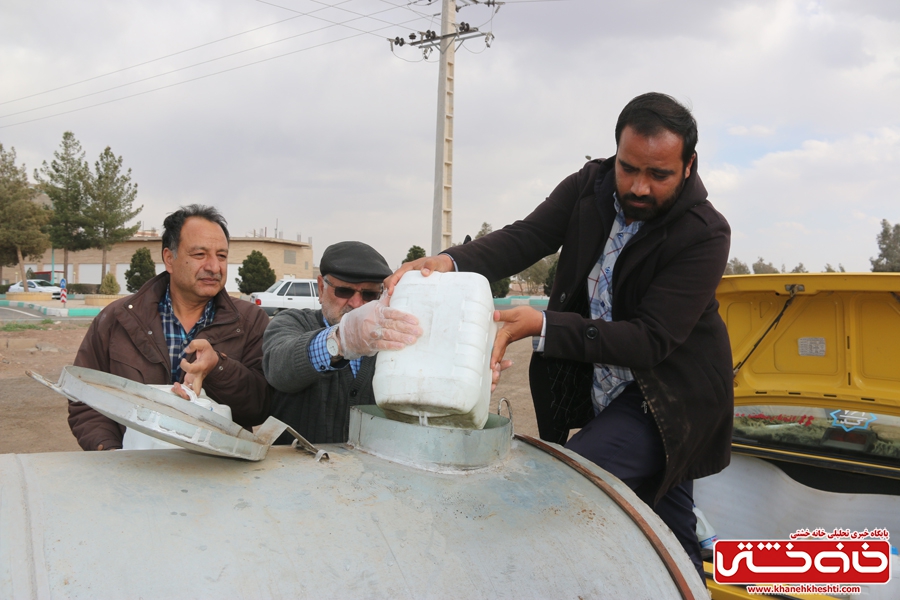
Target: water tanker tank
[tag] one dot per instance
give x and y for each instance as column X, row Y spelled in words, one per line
column 400, row 511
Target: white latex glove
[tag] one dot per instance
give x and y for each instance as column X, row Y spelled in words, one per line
column 376, row 326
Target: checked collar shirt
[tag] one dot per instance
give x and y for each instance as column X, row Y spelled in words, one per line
column 176, row 338
column 319, row 357
column 609, row 380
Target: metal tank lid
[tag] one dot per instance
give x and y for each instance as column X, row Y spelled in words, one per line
column 167, row 417
column 439, row 449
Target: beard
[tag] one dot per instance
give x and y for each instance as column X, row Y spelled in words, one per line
column 334, row 315
column 650, row 207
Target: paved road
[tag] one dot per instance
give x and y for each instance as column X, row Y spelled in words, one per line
column 20, row 314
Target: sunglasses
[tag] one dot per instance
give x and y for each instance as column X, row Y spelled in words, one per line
column 345, row 293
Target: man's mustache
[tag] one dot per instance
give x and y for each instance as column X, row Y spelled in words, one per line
column 208, row 275
column 631, row 196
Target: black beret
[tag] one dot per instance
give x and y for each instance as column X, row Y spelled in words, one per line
column 354, row 262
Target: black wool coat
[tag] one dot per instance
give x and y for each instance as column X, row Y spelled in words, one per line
column 665, row 324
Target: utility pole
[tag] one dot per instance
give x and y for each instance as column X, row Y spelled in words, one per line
column 451, row 33
column 442, row 215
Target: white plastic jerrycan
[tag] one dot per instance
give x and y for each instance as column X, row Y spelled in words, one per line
column 444, row 379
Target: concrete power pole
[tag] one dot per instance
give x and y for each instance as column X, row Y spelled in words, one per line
column 451, row 33
column 442, row 216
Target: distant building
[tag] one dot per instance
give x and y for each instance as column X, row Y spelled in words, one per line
column 286, row 257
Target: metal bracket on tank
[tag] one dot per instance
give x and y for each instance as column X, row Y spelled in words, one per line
column 272, row 428
column 512, row 427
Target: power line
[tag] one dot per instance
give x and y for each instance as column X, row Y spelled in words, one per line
column 419, row 16
column 205, row 76
column 352, row 12
column 153, row 60
column 158, row 75
column 408, row 6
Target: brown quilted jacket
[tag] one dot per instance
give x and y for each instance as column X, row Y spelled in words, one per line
column 126, row 339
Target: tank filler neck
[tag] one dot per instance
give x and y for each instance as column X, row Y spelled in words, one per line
column 437, row 449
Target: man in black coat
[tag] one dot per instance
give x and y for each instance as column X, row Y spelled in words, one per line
column 631, row 348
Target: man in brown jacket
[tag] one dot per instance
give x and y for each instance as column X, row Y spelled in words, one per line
column 181, row 326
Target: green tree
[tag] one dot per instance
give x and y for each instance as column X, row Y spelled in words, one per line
column 255, row 274
column 735, row 266
column 799, row 269
column 415, row 253
column 109, row 285
column 64, row 181
column 499, row 288
column 142, row 270
column 888, row 249
column 485, row 229
column 111, row 195
column 761, row 267
column 22, row 222
column 8, row 256
column 830, row 269
column 535, row 276
column 551, row 274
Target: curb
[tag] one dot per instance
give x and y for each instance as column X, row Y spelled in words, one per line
column 54, row 312
column 520, row 301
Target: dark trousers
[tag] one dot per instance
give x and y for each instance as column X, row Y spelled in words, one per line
column 624, row 440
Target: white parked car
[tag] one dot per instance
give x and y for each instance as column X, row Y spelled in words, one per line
column 37, row 285
column 288, row 293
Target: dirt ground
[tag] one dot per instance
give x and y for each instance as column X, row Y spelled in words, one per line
column 33, row 418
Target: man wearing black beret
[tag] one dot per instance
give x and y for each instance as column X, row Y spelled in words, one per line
column 321, row 362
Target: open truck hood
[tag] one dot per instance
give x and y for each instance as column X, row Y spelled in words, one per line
column 817, row 368
column 802, row 338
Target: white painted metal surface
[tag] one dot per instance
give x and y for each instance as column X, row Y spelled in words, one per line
column 135, row 440
column 174, row 524
column 167, row 417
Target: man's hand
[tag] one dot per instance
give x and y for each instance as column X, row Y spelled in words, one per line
column 518, row 323
column 440, row 263
column 179, row 390
column 496, row 370
column 205, row 360
column 376, row 326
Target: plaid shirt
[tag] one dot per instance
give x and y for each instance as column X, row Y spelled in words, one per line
column 176, row 339
column 321, row 359
column 609, row 380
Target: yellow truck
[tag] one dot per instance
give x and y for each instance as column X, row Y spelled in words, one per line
column 816, row 442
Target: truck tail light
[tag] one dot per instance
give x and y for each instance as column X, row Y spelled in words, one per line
column 258, row 302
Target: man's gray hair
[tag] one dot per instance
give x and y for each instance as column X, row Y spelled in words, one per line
column 175, row 221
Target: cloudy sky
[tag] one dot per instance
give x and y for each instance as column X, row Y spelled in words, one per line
column 297, row 111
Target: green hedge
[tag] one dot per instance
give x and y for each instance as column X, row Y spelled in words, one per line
column 4, row 288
